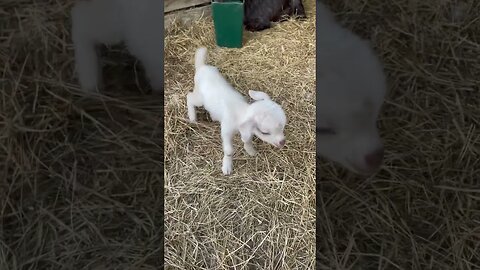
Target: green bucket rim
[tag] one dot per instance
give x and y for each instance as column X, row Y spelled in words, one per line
column 228, row 2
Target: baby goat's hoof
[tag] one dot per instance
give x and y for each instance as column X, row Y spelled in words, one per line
column 251, row 151
column 227, row 168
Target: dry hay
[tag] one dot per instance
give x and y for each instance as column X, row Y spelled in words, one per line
column 422, row 211
column 262, row 216
column 80, row 178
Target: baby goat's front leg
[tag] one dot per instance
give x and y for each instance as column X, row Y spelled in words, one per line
column 248, row 145
column 247, row 138
column 193, row 100
column 227, row 135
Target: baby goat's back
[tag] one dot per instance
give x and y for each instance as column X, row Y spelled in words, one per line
column 218, row 95
column 212, row 84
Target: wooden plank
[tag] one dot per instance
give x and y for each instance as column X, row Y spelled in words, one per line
column 172, row 5
column 188, row 16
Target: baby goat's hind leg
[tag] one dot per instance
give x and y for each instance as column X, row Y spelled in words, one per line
column 193, row 100
column 87, row 62
column 227, row 163
column 88, row 66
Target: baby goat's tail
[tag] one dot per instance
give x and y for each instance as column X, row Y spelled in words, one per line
column 200, row 57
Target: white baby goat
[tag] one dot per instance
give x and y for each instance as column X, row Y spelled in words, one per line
column 263, row 118
column 137, row 23
column 351, row 88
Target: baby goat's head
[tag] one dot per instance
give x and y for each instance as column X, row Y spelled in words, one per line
column 265, row 119
column 351, row 89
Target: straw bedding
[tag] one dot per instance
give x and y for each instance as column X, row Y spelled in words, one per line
column 422, row 210
column 263, row 215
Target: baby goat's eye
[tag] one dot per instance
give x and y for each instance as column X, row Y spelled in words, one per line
column 263, row 132
column 325, row 131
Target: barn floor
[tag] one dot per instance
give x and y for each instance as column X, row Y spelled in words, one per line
column 262, row 216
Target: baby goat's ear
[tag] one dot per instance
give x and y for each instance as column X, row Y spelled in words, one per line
column 258, row 95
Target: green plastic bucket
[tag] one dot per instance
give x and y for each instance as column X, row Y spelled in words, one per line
column 228, row 22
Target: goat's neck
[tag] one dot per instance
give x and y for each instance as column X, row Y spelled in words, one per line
column 243, row 112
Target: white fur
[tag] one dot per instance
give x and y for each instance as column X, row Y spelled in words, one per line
column 235, row 115
column 137, row 23
column 351, row 89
